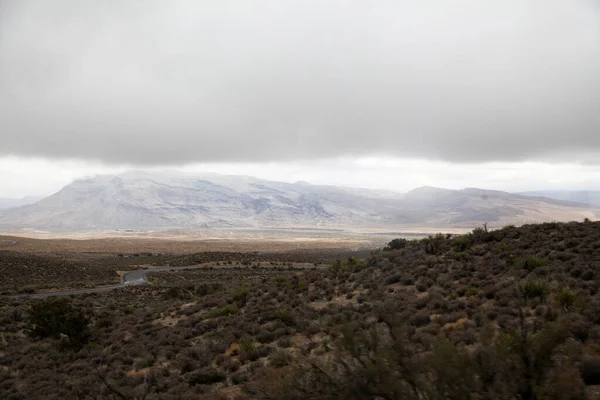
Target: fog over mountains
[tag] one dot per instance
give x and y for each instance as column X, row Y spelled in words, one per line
column 12, row 203
column 590, row 197
column 144, row 200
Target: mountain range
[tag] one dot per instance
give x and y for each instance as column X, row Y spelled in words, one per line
column 589, row 197
column 6, row 203
column 147, row 201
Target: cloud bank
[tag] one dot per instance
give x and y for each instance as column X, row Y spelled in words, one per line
column 155, row 82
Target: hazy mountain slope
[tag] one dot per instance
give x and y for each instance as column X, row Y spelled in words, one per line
column 158, row 200
column 589, row 197
column 6, row 203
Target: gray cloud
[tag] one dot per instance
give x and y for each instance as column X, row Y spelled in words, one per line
column 158, row 82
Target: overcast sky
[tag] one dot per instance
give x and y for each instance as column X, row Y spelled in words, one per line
column 502, row 94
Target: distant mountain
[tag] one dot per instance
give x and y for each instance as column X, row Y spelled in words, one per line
column 139, row 200
column 588, row 197
column 12, row 203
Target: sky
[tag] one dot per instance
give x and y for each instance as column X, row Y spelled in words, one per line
column 499, row 94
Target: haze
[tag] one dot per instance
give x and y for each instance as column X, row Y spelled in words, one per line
column 352, row 93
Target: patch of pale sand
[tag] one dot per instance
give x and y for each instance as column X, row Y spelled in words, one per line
column 396, row 286
column 300, row 341
column 318, row 337
column 186, row 305
column 233, row 350
column 230, row 393
column 339, row 300
column 128, row 336
column 169, row 320
column 132, row 373
column 318, row 305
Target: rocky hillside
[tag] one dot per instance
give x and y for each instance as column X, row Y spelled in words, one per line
column 137, row 200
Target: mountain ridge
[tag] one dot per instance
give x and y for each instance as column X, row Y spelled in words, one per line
column 147, row 200
column 7, row 202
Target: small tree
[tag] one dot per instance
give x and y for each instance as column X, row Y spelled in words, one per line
column 57, row 316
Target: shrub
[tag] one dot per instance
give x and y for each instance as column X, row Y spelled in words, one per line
column 226, row 310
column 206, row 377
column 532, row 288
column 55, row 316
column 241, row 297
column 280, row 358
column 566, row 298
column 284, row 316
column 434, row 244
column 461, row 243
column 530, row 263
column 247, row 344
column 396, row 244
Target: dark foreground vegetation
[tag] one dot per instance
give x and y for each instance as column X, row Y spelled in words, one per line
column 24, row 272
column 506, row 314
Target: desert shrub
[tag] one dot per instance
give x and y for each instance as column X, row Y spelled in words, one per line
column 247, row 344
column 421, row 286
column 205, row 377
column 461, row 243
column 566, row 298
column 533, row 288
column 55, row 316
column 143, row 362
column 393, row 279
column 226, row 310
column 530, row 263
column 208, row 288
column 284, row 316
column 280, row 358
column 434, row 244
column 173, row 292
column 241, row 297
column 396, row 244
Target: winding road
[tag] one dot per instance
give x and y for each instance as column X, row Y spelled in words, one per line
column 138, row 277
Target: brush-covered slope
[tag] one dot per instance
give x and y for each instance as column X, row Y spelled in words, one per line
column 507, row 314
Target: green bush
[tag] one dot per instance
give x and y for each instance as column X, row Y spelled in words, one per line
column 566, row 298
column 461, row 243
column 284, row 316
column 247, row 344
column 220, row 312
column 530, row 263
column 434, row 244
column 532, row 288
column 241, row 297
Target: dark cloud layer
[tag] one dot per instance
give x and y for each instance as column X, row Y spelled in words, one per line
column 153, row 82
